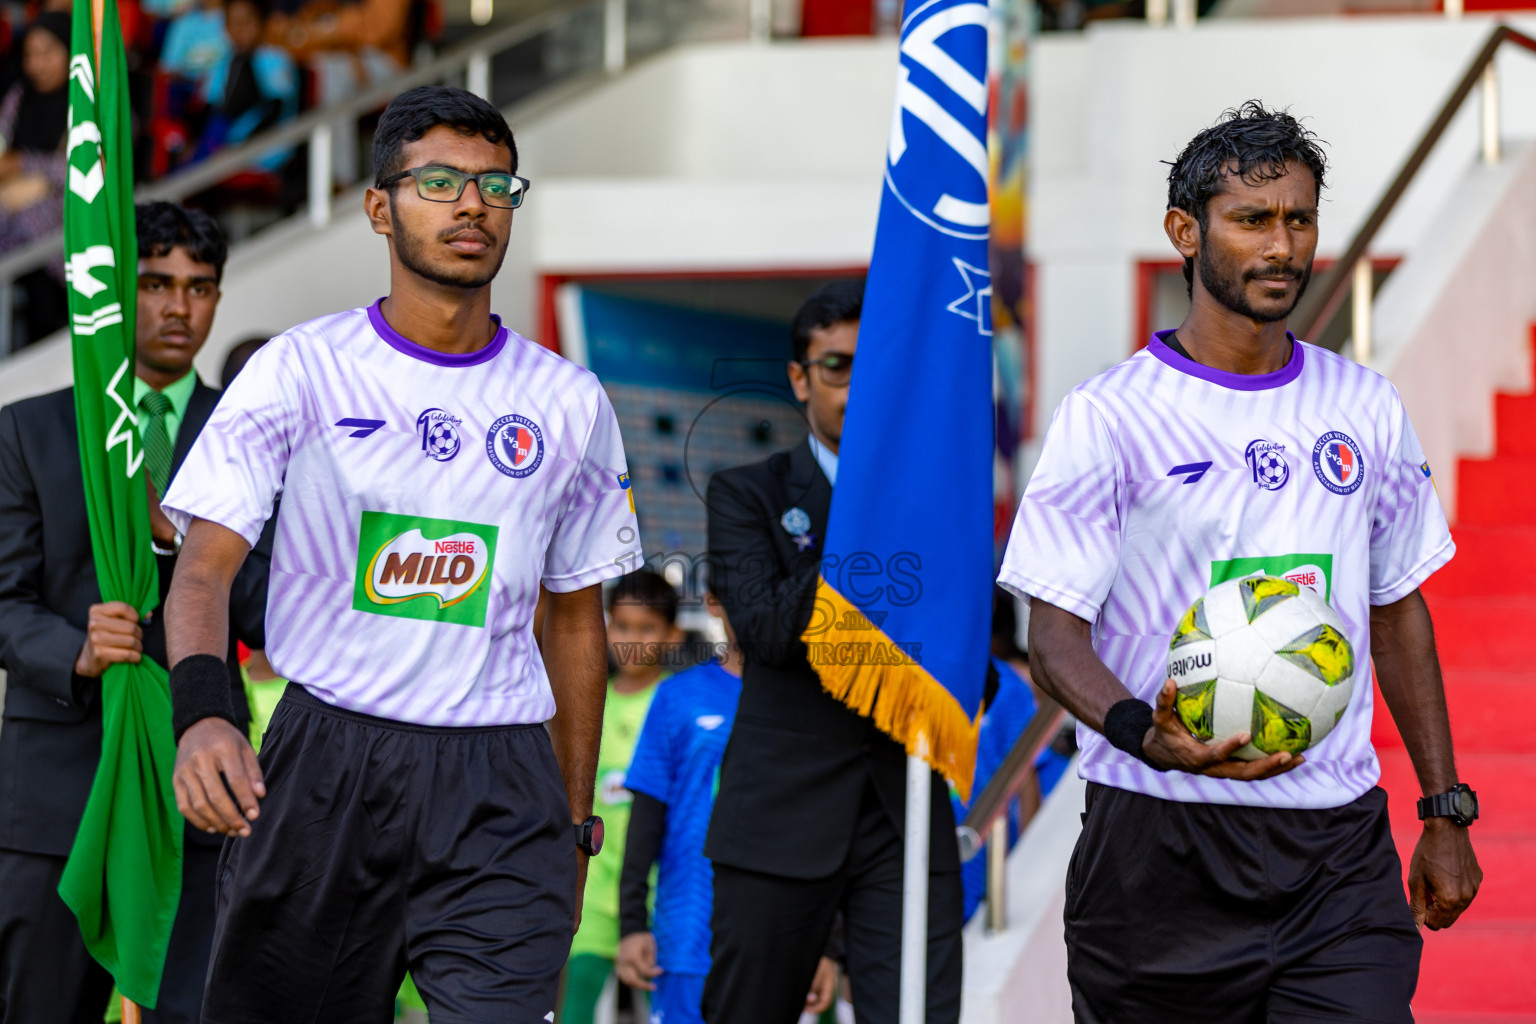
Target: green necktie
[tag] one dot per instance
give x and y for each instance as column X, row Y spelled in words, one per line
column 157, row 440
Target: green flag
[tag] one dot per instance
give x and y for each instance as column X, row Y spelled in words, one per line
column 123, row 879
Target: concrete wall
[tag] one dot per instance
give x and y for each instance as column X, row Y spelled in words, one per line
column 1111, row 103
column 1453, row 323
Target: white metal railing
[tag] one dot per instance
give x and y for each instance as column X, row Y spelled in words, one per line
column 985, row 826
column 1352, row 275
column 469, row 64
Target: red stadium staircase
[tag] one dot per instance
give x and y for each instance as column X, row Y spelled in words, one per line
column 1483, row 971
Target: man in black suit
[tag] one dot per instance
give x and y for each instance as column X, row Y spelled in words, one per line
column 57, row 638
column 812, row 799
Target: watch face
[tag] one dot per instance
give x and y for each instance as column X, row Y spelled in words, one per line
column 597, row 835
column 1466, row 803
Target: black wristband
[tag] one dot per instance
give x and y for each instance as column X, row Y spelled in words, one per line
column 1126, row 725
column 200, row 689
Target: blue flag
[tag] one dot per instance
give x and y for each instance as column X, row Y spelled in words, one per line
column 904, row 604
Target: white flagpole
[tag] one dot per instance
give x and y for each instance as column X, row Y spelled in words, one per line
column 914, row 895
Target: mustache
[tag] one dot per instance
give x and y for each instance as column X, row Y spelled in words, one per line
column 473, row 233
column 176, row 325
column 1288, row 272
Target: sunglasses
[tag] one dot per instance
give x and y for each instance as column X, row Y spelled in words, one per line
column 446, row 184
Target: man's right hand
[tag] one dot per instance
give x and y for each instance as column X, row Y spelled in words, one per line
column 1169, row 745
column 112, row 636
column 212, row 753
column 636, row 962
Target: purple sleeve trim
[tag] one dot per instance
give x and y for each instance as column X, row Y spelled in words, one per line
column 1232, row 381
column 405, row 346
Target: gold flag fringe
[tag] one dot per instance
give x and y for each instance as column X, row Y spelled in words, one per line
column 862, row 667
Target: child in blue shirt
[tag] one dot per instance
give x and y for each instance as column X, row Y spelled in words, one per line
column 674, row 775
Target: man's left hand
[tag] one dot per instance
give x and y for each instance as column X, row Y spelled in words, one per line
column 1443, row 875
column 823, row 987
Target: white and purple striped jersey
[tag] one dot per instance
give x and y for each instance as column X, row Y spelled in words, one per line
column 425, row 497
column 1161, row 477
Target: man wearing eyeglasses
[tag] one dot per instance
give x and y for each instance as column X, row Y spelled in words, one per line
column 808, row 819
column 409, row 809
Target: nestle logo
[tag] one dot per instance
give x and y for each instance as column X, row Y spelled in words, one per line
column 454, row 547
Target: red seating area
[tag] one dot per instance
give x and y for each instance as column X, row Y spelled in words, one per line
column 1484, row 605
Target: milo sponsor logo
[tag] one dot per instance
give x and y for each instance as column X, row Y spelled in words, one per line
column 1313, row 571
column 419, row 568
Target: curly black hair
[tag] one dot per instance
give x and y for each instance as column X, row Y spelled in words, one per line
column 417, row 111
column 1251, row 141
column 163, row 226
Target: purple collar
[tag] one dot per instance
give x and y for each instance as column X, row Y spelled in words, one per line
column 1235, row 381
column 405, row 346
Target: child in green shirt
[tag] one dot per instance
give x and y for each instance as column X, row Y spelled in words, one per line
column 642, row 628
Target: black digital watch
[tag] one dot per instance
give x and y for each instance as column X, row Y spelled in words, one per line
column 589, row 836
column 1459, row 804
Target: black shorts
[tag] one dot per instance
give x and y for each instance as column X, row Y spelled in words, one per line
column 1205, row 914
column 383, row 846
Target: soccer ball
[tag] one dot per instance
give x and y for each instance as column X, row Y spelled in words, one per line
column 442, row 440
column 1261, row 655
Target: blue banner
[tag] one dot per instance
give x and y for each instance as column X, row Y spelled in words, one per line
column 914, row 480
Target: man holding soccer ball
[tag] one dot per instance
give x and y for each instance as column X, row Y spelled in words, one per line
column 1207, row 889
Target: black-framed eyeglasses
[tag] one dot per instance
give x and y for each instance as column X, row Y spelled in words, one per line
column 835, row 368
column 446, row 184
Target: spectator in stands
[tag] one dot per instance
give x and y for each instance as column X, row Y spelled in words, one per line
column 642, row 637
column 57, row 639
column 33, row 118
column 672, row 777
column 250, row 88
column 349, row 47
column 195, row 42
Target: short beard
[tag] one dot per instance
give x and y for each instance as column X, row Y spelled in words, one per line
column 1228, row 286
column 412, row 252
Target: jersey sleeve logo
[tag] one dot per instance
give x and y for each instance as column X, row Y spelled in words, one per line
column 1337, row 461
column 418, row 568
column 515, row 445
